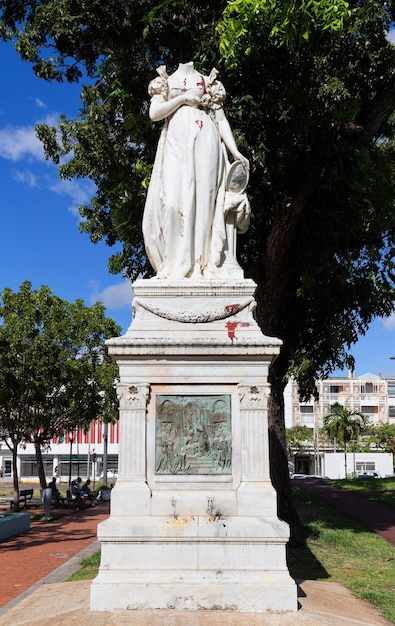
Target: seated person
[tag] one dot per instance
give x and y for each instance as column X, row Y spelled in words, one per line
column 78, row 497
column 87, row 490
column 55, row 491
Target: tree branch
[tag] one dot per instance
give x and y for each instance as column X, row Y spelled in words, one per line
column 372, row 117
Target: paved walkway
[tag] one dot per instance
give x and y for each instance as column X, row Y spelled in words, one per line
column 27, row 558
column 32, row 559
column 373, row 515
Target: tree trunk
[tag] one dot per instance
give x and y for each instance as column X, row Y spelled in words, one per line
column 345, row 460
column 279, row 469
column 15, row 476
column 40, row 465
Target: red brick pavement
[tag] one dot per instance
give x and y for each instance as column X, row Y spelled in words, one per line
column 27, row 558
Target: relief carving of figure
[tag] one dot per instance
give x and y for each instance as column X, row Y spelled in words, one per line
column 193, row 435
column 196, row 200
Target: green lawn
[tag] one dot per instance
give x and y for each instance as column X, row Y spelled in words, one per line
column 382, row 490
column 339, row 550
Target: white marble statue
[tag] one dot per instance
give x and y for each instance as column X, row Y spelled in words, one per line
column 196, row 200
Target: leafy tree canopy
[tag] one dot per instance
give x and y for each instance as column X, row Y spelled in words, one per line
column 299, row 437
column 286, row 23
column 54, row 374
column 381, row 437
column 312, row 92
column 311, row 89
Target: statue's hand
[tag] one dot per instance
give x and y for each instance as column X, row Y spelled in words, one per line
column 191, row 99
column 239, row 157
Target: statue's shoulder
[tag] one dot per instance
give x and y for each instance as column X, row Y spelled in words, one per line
column 215, row 88
column 159, row 85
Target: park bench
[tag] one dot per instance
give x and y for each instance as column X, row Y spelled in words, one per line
column 24, row 496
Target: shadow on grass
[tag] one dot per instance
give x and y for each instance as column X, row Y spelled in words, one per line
column 302, row 563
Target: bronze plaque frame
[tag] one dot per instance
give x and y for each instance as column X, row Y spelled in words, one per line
column 193, row 434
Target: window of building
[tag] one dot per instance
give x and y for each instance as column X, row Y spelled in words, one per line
column 368, row 388
column 79, row 467
column 306, row 414
column 29, row 466
column 391, row 412
column 7, row 467
column 391, row 387
column 370, row 411
column 363, row 466
column 334, row 389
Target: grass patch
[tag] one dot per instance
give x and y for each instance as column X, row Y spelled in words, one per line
column 339, row 550
column 89, row 568
column 382, row 490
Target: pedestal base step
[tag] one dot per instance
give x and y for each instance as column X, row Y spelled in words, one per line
column 225, row 591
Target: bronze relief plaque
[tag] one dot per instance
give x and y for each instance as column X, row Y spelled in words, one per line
column 193, row 434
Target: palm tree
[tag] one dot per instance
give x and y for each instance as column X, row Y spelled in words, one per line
column 345, row 425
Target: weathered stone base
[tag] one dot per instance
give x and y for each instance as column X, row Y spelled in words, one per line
column 226, row 591
column 194, row 563
column 186, row 537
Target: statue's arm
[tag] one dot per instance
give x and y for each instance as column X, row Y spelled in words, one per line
column 226, row 135
column 160, row 108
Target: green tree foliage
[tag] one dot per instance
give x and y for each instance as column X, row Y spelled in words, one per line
column 286, row 23
column 381, row 437
column 54, row 373
column 344, row 425
column 311, row 98
column 299, row 438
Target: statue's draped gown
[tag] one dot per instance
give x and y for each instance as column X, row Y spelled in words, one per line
column 183, row 223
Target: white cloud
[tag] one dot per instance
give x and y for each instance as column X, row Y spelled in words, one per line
column 40, row 103
column 17, row 143
column 79, row 191
column 389, row 322
column 115, row 296
column 26, row 178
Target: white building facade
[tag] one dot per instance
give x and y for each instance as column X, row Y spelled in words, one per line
column 78, row 453
column 371, row 394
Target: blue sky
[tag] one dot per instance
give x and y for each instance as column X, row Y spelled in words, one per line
column 40, row 241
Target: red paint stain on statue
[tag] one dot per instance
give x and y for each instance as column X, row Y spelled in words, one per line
column 231, row 328
column 232, row 308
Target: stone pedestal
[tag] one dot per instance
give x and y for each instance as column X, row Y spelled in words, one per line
column 193, row 521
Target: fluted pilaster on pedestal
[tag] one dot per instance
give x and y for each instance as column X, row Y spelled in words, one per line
column 254, row 434
column 132, row 410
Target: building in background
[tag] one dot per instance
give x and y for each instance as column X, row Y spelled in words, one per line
column 371, row 394
column 82, row 453
column 78, row 453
